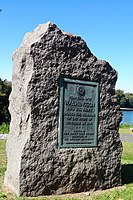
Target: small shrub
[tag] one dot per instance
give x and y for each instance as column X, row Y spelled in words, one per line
column 126, row 125
column 4, row 128
column 3, row 196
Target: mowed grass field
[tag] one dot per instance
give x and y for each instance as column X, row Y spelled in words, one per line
column 119, row 193
column 125, row 131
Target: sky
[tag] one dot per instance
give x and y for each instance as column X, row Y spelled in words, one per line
column 105, row 25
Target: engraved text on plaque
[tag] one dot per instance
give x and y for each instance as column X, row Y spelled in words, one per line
column 78, row 120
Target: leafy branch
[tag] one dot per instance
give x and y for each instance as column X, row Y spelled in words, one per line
column 124, row 99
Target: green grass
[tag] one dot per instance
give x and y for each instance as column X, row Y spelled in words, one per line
column 125, row 193
column 125, row 131
column 125, row 128
column 121, row 193
column 2, row 161
column 127, row 156
column 4, row 128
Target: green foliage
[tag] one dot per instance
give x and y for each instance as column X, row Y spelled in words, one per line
column 126, row 125
column 4, row 128
column 5, row 90
column 120, row 94
column 129, row 97
column 124, row 99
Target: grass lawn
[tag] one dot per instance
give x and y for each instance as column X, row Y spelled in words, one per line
column 2, row 161
column 125, row 131
column 127, row 156
column 121, row 193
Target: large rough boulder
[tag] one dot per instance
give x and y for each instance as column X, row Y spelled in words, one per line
column 35, row 163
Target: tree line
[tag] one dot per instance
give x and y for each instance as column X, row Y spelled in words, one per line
column 5, row 90
column 124, row 99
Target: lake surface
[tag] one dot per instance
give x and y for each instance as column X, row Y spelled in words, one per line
column 127, row 116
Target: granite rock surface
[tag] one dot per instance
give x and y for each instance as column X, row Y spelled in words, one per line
column 36, row 165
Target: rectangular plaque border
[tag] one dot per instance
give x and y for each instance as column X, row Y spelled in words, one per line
column 61, row 109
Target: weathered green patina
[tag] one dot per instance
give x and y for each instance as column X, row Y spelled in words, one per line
column 78, row 113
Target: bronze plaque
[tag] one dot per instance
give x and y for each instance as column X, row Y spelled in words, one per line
column 78, row 120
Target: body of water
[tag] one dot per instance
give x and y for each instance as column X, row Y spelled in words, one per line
column 127, row 116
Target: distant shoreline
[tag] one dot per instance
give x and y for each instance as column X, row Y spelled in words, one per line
column 128, row 109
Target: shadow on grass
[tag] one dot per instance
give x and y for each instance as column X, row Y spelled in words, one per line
column 127, row 173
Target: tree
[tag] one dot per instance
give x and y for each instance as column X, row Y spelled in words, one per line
column 120, row 95
column 123, row 102
column 5, row 90
column 129, row 97
column 124, row 99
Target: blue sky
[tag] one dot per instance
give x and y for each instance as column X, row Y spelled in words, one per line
column 106, row 26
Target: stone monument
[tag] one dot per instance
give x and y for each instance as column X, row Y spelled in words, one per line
column 64, row 117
